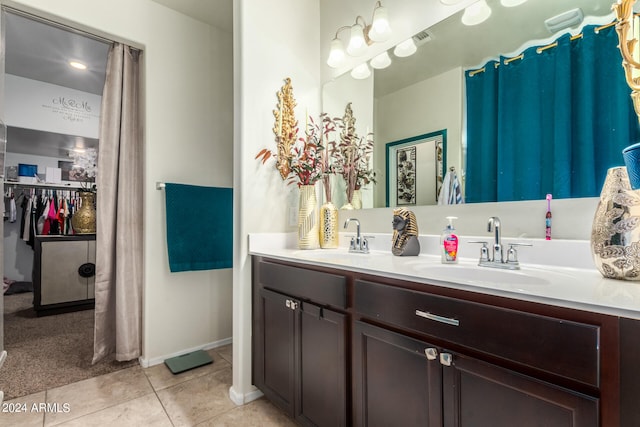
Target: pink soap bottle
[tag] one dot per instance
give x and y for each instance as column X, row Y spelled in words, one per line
column 449, row 243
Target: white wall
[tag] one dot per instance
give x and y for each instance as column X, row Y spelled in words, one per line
column 272, row 40
column 187, row 74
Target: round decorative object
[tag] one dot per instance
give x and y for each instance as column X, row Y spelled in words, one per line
column 84, row 219
column 615, row 234
column 308, row 234
column 328, row 226
column 88, row 269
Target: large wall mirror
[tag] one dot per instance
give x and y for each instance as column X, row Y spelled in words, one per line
column 425, row 92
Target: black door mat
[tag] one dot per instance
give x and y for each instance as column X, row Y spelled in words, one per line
column 188, row 361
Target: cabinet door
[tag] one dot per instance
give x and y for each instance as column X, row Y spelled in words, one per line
column 481, row 394
column 322, row 384
column 396, row 384
column 276, row 375
column 59, row 278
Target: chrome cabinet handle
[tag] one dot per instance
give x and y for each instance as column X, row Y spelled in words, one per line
column 431, row 353
column 446, row 359
column 441, row 319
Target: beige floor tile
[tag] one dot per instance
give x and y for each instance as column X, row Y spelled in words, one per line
column 161, row 377
column 95, row 394
column 225, row 352
column 198, row 399
column 21, row 412
column 143, row 411
column 259, row 413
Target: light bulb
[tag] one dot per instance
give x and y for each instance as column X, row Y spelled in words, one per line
column 357, row 45
column 336, row 54
column 381, row 61
column 380, row 29
column 476, row 13
column 362, row 71
column 406, row 48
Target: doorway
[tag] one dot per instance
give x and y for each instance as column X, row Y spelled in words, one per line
column 52, row 111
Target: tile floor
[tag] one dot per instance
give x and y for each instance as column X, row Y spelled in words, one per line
column 145, row 397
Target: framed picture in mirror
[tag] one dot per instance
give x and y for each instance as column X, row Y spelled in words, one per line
column 415, row 169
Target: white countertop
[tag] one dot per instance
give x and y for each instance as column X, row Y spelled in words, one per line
column 578, row 285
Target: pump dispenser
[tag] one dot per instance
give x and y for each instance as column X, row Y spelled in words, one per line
column 449, row 243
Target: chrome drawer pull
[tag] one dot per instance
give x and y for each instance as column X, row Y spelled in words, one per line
column 441, row 319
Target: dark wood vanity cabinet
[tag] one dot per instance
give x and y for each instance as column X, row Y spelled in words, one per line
column 300, row 344
column 384, row 352
column 442, row 387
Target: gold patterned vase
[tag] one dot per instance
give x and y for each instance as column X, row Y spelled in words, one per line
column 328, row 226
column 83, row 220
column 615, row 234
column 308, row 234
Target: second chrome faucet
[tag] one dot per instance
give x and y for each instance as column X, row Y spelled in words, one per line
column 497, row 257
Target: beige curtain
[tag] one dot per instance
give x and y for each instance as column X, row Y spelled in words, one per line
column 119, row 232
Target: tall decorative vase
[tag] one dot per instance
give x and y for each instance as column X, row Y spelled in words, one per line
column 308, row 234
column 328, row 226
column 615, row 235
column 84, row 219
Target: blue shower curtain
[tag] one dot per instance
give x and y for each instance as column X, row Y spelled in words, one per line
column 551, row 122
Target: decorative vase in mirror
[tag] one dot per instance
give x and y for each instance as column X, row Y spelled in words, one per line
column 615, row 235
column 83, row 220
column 328, row 226
column 308, row 233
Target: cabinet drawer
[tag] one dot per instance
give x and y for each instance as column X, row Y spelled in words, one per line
column 316, row 286
column 564, row 348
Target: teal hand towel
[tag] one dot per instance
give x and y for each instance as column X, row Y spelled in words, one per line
column 199, row 227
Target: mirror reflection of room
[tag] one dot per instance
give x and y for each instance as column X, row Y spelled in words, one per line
column 434, row 89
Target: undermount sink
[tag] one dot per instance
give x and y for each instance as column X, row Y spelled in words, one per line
column 476, row 274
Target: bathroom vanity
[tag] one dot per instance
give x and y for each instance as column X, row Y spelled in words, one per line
column 373, row 341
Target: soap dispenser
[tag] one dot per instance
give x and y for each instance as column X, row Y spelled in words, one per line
column 449, row 243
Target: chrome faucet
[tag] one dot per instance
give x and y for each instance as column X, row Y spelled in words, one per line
column 497, row 257
column 494, row 224
column 358, row 244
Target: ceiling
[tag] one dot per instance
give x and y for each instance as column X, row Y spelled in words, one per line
column 218, row 13
column 39, row 51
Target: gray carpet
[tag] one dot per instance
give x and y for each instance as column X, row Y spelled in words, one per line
column 49, row 351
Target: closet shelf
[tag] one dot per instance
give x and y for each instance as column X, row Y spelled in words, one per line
column 62, row 186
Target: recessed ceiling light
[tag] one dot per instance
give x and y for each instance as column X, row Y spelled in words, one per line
column 78, row 65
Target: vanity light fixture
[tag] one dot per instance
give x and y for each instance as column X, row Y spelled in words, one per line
column 362, row 71
column 381, row 61
column 476, row 13
column 406, row 48
column 78, row 65
column 512, row 3
column 361, row 36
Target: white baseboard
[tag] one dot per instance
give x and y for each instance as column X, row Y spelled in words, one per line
column 145, row 363
column 243, row 398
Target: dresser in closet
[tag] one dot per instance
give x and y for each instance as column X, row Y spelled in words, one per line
column 64, row 273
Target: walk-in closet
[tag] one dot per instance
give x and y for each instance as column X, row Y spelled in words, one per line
column 53, row 78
